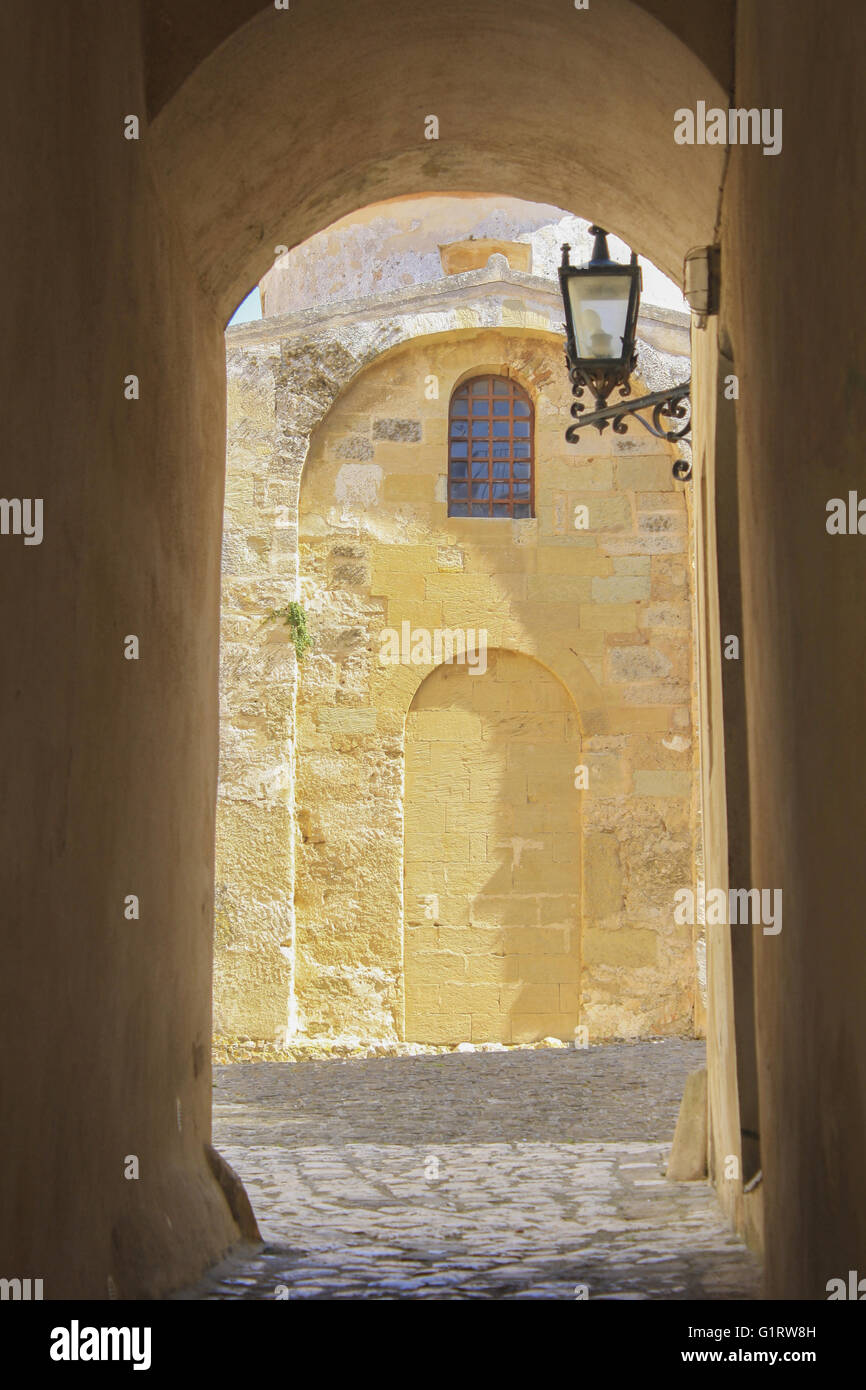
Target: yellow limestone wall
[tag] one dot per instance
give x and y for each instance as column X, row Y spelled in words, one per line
column 599, row 617
column 492, row 856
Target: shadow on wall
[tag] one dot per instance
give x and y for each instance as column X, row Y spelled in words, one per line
column 492, row 855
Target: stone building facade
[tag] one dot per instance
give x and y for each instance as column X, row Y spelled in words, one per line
column 412, row 848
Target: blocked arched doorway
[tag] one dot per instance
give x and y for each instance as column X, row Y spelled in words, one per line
column 491, row 881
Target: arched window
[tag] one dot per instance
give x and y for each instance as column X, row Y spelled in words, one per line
column 490, row 447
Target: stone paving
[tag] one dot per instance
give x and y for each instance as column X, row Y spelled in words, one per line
column 503, row 1175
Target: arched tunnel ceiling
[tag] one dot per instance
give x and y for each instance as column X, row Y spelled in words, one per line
column 302, row 116
column 179, row 34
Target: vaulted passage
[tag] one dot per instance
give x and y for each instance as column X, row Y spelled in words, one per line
column 257, row 128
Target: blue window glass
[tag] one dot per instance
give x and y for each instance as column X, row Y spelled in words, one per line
column 490, row 467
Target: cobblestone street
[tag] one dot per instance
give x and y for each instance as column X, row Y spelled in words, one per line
column 516, row 1175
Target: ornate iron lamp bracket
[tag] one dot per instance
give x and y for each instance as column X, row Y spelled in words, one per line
column 669, row 411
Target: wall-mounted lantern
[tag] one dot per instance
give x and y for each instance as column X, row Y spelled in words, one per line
column 601, row 302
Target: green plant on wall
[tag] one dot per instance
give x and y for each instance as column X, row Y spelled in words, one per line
column 296, row 619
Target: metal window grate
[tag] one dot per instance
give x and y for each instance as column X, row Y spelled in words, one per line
column 490, row 449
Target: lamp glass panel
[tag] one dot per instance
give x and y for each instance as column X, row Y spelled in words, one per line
column 599, row 311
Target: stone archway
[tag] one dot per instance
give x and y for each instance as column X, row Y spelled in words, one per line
column 552, row 91
column 150, row 269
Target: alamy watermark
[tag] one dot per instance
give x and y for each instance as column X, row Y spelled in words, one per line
column 846, row 518
column 419, row 646
column 737, row 126
column 736, row 907
column 77, row 1343
column 22, row 516
column 21, row 1290
column 855, row 1289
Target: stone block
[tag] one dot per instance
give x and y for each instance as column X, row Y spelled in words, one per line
column 444, row 726
column 469, row 998
column 544, row 727
column 421, row 935
column 625, row 946
column 491, row 1026
column 672, row 617
column 431, row 1026
column 544, row 970
column 559, row 911
column 564, row 847
column 643, row 474
column 486, row 970
column 569, row 998
column 586, row 475
column 621, row 588
column 422, row 997
column 453, row 913
column 438, row 967
column 609, row 617
column 475, row 588
column 396, row 587
column 438, row 847
column 564, row 559
column 449, row 557
column 632, row 564
column 527, row 1028
column 539, row 874
column 408, row 487
column 424, row 614
column 354, row 446
column 656, row 693
column 637, row 663
column 559, row 588
column 400, row 431
column 403, row 559
column 419, row 819
column 610, row 513
column 688, row 1156
column 653, row 544
column 655, row 523
column 490, row 695
column 477, row 847
column 473, row 940
column 534, row 940
column 346, row 720
column 504, row 911
column 602, row 875
column 655, row 783
column 536, row 999
column 609, row 774
column 485, row 783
